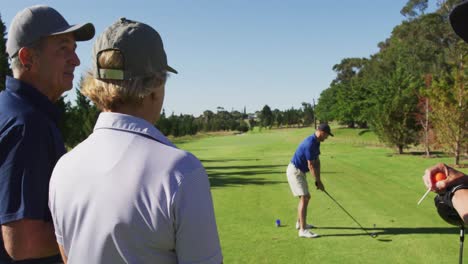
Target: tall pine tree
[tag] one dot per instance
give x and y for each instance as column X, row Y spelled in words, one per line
column 4, row 66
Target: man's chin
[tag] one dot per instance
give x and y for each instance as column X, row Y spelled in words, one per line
column 68, row 85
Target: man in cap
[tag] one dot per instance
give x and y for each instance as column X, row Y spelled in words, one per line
column 306, row 158
column 454, row 189
column 41, row 45
column 137, row 198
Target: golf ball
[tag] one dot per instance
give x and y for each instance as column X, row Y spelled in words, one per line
column 373, row 235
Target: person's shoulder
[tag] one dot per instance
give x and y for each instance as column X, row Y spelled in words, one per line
column 24, row 122
column 21, row 115
column 185, row 159
column 14, row 105
column 310, row 139
column 182, row 161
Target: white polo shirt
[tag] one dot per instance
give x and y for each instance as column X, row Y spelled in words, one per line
column 127, row 195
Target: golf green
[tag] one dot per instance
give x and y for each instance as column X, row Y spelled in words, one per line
column 377, row 187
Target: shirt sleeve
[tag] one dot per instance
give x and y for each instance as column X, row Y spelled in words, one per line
column 25, row 170
column 311, row 150
column 53, row 212
column 197, row 238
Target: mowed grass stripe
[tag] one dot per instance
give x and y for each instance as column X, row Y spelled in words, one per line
column 250, row 191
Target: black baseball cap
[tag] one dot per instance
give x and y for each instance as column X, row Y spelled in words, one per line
column 459, row 20
column 325, row 128
column 35, row 22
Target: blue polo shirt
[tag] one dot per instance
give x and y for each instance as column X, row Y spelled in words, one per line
column 309, row 149
column 30, row 145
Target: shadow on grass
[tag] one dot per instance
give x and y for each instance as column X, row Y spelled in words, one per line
column 246, row 167
column 364, row 131
column 392, row 231
column 434, row 154
column 237, row 175
column 223, row 176
column 225, row 160
column 238, row 181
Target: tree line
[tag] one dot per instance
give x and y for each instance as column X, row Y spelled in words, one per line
column 79, row 120
column 413, row 90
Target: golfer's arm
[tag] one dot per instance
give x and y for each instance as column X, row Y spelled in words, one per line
column 460, row 203
column 314, row 168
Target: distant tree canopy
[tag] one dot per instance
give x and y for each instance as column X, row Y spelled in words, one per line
column 422, row 61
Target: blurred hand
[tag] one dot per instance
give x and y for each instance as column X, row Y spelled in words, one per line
column 454, row 177
column 319, row 185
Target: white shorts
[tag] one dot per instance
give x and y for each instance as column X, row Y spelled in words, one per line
column 297, row 181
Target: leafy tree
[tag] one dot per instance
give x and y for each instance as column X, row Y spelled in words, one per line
column 414, row 8
column 80, row 119
column 423, row 41
column 326, row 107
column 449, row 98
column 65, row 125
column 266, row 117
column 163, row 124
column 277, row 117
column 292, row 117
column 4, row 66
column 394, row 119
column 308, row 111
column 347, row 86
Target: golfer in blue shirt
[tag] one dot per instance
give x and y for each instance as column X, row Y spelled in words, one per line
column 306, row 158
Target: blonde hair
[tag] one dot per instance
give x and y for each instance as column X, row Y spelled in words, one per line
column 110, row 94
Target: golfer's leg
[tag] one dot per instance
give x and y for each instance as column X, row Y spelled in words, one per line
column 302, row 210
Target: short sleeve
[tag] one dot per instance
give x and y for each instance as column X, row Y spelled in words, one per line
column 25, row 169
column 197, row 238
column 312, row 150
column 57, row 228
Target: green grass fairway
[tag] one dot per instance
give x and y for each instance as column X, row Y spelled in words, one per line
column 250, row 191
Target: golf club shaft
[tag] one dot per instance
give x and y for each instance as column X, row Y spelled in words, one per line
column 462, row 238
column 347, row 213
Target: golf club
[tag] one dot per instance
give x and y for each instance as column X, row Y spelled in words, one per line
column 373, row 235
column 462, row 238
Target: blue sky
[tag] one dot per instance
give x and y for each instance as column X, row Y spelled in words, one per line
column 241, row 52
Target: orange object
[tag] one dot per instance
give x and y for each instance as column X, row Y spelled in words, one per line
column 439, row 176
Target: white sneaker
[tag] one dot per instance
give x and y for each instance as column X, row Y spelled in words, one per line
column 306, row 227
column 307, row 234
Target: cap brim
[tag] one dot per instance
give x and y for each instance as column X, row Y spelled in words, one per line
column 170, row 69
column 82, row 32
column 459, row 20
column 330, row 133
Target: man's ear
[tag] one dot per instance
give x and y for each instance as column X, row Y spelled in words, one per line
column 26, row 57
column 157, row 94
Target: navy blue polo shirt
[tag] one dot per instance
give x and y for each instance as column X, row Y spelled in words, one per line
column 309, row 149
column 30, row 145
